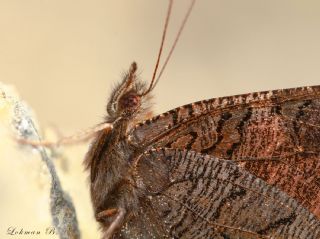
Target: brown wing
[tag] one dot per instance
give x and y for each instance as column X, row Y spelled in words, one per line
column 96, row 153
column 273, row 134
column 199, row 196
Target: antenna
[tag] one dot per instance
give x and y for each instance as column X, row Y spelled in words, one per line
column 154, row 82
column 175, row 41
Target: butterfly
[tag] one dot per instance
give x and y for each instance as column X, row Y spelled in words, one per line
column 244, row 166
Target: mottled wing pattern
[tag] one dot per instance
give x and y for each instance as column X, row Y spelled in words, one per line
column 275, row 135
column 200, row 196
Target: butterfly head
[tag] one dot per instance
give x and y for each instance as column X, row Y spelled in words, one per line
column 131, row 98
column 128, row 99
column 129, row 102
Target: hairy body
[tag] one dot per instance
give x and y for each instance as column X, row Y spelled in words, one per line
column 200, row 166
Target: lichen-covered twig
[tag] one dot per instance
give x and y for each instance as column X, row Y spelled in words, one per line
column 62, row 210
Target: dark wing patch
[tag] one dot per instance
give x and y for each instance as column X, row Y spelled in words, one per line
column 197, row 196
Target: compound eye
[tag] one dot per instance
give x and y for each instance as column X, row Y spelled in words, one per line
column 129, row 101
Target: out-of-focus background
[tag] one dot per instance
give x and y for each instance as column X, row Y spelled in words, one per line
column 64, row 56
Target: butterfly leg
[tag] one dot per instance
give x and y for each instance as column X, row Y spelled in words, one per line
column 80, row 137
column 106, row 213
column 119, row 214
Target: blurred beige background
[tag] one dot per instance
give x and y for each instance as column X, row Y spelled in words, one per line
column 64, row 56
